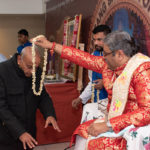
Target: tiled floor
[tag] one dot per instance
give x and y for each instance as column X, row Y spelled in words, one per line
column 58, row 146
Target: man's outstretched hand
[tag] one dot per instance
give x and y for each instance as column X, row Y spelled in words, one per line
column 76, row 102
column 51, row 120
column 42, row 42
column 27, row 140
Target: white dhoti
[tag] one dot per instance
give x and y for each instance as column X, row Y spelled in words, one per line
column 80, row 143
column 94, row 110
column 138, row 138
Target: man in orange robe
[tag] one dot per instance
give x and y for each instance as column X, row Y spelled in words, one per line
column 118, row 50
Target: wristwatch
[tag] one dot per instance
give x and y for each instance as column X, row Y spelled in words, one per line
column 109, row 125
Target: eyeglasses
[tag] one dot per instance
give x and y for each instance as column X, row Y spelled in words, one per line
column 106, row 54
column 112, row 52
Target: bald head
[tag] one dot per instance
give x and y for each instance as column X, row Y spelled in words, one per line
column 25, row 60
column 27, row 52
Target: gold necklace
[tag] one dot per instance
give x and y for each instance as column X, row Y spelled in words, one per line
column 93, row 95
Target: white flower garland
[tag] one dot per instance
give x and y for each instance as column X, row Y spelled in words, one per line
column 34, row 71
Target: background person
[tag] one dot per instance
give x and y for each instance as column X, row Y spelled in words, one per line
column 2, row 58
column 98, row 92
column 23, row 39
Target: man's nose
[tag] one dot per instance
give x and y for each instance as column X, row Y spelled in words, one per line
column 30, row 71
column 95, row 42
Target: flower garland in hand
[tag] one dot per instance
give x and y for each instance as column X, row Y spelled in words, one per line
column 34, row 70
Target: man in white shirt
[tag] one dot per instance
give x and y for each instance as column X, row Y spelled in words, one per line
column 94, row 90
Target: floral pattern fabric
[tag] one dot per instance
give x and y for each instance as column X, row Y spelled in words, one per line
column 138, row 138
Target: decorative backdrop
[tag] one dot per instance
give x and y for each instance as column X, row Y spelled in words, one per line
column 71, row 38
column 132, row 16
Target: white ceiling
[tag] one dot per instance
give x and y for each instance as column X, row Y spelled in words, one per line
column 22, row 6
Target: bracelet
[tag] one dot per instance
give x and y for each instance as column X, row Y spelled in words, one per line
column 52, row 49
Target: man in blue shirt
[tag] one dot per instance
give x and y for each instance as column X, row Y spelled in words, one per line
column 94, row 90
column 23, row 38
column 2, row 58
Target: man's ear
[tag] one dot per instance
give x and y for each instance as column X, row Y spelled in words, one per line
column 26, row 37
column 120, row 54
column 19, row 60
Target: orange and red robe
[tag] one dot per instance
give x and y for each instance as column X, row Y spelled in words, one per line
column 137, row 110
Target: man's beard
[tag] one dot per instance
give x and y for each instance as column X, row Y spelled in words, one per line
column 99, row 48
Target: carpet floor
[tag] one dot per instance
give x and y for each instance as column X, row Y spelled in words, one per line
column 57, row 146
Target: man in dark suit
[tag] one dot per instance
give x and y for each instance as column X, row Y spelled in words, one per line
column 18, row 104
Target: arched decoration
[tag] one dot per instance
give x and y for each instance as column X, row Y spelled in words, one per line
column 129, row 15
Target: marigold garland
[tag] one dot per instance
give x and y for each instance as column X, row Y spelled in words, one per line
column 34, row 70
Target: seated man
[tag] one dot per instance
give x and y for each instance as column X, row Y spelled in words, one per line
column 126, row 78
column 94, row 90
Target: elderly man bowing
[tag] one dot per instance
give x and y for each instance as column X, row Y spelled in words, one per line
column 18, row 104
